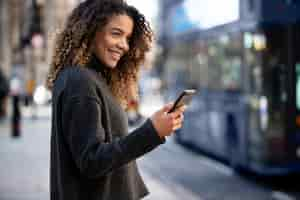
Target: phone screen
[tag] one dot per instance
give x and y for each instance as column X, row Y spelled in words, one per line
column 184, row 99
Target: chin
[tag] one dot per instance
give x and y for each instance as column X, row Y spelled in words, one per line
column 112, row 66
column 111, row 63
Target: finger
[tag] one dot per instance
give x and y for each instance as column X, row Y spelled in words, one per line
column 178, row 121
column 167, row 107
column 177, row 127
column 177, row 113
column 182, row 108
column 179, row 117
column 179, row 109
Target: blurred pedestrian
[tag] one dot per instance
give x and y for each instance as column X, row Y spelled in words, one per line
column 30, row 87
column 29, row 103
column 95, row 65
column 15, row 92
column 4, row 91
column 133, row 111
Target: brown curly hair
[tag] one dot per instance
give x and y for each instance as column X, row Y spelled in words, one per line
column 74, row 45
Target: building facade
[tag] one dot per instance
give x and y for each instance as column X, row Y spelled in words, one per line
column 27, row 32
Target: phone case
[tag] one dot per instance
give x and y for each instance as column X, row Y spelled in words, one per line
column 184, row 99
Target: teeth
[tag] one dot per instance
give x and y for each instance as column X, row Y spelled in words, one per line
column 116, row 53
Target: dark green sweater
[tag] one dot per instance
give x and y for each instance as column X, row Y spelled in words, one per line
column 92, row 153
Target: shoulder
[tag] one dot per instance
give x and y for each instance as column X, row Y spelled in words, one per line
column 78, row 81
column 76, row 74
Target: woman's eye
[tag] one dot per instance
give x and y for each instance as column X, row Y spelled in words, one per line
column 116, row 33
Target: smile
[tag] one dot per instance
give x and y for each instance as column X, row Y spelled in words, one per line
column 116, row 54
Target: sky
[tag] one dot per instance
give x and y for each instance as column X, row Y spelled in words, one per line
column 207, row 14
column 147, row 7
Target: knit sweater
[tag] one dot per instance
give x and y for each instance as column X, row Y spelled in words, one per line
column 92, row 153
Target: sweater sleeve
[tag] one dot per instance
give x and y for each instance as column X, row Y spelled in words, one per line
column 85, row 135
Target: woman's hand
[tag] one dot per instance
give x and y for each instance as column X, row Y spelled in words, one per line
column 164, row 123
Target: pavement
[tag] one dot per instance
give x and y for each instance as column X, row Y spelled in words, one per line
column 24, row 161
column 171, row 172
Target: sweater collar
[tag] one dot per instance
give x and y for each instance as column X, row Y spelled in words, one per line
column 98, row 66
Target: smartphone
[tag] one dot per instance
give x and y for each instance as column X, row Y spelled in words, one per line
column 184, row 99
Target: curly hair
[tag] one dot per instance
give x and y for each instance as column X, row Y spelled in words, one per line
column 73, row 46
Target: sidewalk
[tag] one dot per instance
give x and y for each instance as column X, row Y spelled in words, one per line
column 24, row 161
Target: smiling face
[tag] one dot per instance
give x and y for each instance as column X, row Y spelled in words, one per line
column 112, row 41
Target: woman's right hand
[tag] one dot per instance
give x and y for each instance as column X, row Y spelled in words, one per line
column 164, row 123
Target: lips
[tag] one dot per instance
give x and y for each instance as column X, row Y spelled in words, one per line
column 115, row 54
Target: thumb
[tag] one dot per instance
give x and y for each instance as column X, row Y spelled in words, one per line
column 167, row 107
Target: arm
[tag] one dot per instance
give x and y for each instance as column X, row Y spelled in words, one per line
column 85, row 135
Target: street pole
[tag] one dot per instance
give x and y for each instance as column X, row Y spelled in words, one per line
column 5, row 46
column 49, row 29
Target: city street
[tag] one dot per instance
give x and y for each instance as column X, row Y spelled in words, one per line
column 240, row 57
column 171, row 171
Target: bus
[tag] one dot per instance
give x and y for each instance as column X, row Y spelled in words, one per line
column 247, row 108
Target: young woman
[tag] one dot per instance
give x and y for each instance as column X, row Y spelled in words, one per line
column 92, row 77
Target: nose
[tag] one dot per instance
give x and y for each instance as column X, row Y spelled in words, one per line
column 123, row 44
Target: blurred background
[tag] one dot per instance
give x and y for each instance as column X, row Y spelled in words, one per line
column 241, row 135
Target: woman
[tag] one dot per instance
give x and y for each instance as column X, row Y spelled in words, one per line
column 92, row 77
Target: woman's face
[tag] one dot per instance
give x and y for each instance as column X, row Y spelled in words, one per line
column 112, row 41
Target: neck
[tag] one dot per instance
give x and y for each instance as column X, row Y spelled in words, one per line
column 100, row 67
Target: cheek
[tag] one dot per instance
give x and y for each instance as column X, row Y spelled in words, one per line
column 98, row 43
column 103, row 46
column 99, row 50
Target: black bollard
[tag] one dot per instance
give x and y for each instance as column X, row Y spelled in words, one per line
column 16, row 117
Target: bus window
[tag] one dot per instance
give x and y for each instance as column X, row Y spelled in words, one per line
column 268, row 76
column 275, row 80
column 224, row 61
column 176, row 69
column 215, row 54
column 231, row 67
column 198, row 65
column 187, row 65
column 267, row 65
